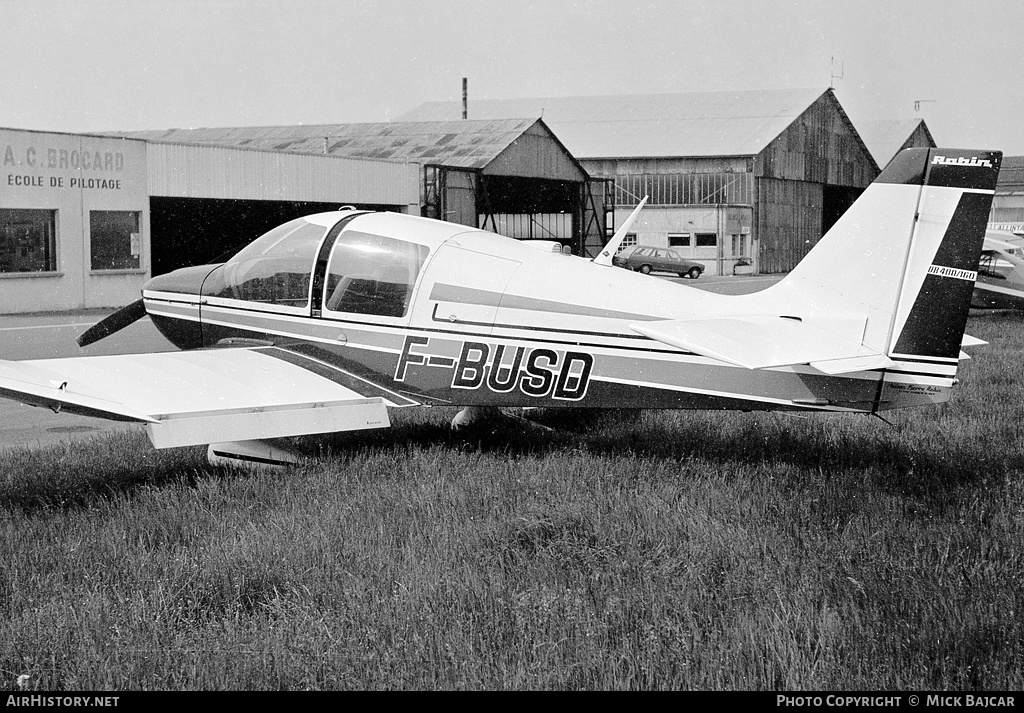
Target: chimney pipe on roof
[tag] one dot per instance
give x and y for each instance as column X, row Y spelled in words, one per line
column 465, row 98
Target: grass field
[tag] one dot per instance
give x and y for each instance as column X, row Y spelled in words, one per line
column 627, row 550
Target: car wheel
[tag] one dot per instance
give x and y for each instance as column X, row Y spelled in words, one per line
column 646, row 269
column 694, row 273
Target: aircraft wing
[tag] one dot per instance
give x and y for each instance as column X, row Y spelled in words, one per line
column 206, row 396
column 762, row 342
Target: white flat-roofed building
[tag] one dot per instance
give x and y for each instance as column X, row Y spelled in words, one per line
column 86, row 219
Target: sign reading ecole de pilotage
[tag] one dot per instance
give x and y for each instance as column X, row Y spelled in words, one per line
column 55, row 166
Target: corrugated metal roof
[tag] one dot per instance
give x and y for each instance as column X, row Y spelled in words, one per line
column 728, row 123
column 458, row 144
column 885, row 137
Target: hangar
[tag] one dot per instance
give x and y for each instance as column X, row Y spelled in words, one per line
column 86, row 219
column 509, row 175
column 1008, row 202
column 740, row 180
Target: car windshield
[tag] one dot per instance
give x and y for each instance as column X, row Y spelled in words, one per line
column 276, row 267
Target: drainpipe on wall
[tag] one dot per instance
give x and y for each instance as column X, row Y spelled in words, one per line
column 720, row 240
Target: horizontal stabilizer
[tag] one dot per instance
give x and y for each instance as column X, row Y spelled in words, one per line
column 763, row 342
column 969, row 341
column 845, row 366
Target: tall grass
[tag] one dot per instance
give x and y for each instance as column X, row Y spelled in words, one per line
column 626, row 550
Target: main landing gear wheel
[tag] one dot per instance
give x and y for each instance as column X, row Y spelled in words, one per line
column 475, row 414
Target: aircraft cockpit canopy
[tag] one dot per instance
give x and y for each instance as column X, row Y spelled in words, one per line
column 372, row 274
column 366, row 273
column 276, row 267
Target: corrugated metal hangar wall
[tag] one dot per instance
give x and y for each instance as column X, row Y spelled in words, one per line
column 805, row 180
column 511, row 174
column 733, row 177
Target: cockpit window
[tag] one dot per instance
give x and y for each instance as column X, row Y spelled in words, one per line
column 372, row 274
column 275, row 268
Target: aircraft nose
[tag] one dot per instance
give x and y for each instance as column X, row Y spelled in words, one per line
column 183, row 281
column 184, row 287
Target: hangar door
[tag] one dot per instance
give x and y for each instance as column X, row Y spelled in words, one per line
column 197, row 231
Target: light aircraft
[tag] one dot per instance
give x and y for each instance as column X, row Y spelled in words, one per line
column 1000, row 282
column 326, row 322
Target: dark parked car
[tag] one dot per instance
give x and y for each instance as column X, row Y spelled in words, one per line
column 646, row 259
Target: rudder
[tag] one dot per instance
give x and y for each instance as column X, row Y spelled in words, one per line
column 956, row 196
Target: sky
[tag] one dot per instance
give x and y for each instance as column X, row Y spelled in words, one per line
column 97, row 65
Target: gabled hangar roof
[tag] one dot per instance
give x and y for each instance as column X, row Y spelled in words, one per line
column 726, row 123
column 472, row 144
column 885, row 137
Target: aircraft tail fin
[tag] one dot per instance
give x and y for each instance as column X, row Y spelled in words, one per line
column 905, row 255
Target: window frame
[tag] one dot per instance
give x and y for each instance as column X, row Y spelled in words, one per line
column 140, row 268
column 697, row 240
column 51, row 225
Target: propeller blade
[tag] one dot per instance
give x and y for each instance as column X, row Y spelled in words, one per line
column 117, row 321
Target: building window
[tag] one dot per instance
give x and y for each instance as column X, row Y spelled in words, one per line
column 115, row 240
column 679, row 240
column 28, row 240
column 685, row 188
column 627, row 240
column 705, row 240
column 740, row 246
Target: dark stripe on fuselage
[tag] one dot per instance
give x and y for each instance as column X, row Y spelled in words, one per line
column 405, row 329
column 559, row 330
column 944, row 361
column 487, row 298
column 619, row 388
column 932, row 374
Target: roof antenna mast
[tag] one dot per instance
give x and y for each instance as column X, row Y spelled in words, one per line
column 832, row 72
